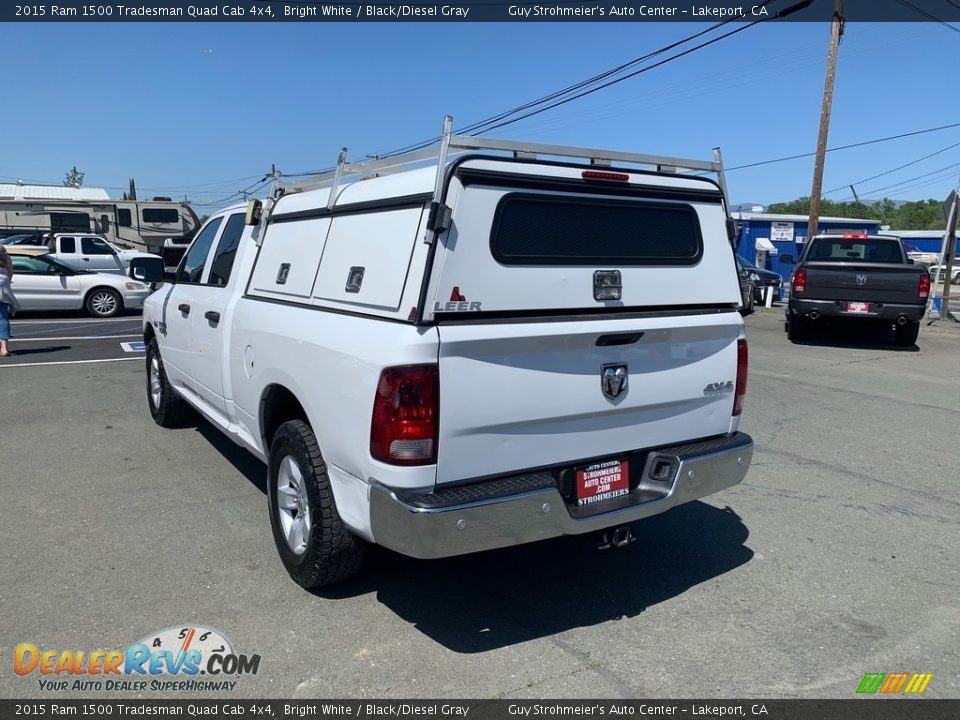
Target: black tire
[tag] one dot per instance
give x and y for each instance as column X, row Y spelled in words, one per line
column 167, row 408
column 747, row 308
column 906, row 335
column 103, row 302
column 326, row 552
column 797, row 329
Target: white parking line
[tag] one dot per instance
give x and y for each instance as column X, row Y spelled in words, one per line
column 75, row 337
column 69, row 362
column 24, row 321
column 52, row 330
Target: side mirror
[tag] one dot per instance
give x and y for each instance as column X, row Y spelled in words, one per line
column 788, row 259
column 254, row 210
column 146, row 269
column 910, row 261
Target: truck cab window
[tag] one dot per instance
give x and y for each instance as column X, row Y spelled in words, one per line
column 191, row 270
column 68, row 245
column 94, row 246
column 226, row 251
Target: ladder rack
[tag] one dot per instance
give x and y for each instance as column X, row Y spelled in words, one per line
column 451, row 144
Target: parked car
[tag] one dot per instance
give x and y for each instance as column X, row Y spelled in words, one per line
column 24, row 239
column 856, row 278
column 462, row 357
column 42, row 282
column 749, row 282
column 764, row 279
column 91, row 252
column 938, row 273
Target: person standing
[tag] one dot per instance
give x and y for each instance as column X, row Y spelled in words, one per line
column 8, row 301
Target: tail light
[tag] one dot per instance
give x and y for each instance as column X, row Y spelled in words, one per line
column 740, row 393
column 923, row 289
column 799, row 283
column 403, row 430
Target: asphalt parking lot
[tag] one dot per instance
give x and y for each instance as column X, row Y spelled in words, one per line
column 836, row 557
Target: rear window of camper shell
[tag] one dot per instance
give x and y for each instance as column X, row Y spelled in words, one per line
column 537, row 229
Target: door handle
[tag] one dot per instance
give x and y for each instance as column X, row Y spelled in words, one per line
column 618, row 339
column 85, row 259
column 184, row 308
column 212, row 315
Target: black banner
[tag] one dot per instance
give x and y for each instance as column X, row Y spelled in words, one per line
column 864, row 708
column 269, row 11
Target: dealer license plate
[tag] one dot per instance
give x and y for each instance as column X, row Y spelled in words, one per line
column 603, row 482
column 858, row 307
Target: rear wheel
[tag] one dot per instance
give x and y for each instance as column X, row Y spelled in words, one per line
column 104, row 302
column 798, row 329
column 315, row 546
column 167, row 408
column 906, row 335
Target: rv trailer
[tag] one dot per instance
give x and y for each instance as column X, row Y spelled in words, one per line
column 161, row 226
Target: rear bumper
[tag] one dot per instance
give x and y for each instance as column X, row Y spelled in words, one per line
column 525, row 508
column 835, row 309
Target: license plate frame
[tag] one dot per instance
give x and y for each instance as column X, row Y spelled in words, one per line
column 858, row 308
column 601, row 481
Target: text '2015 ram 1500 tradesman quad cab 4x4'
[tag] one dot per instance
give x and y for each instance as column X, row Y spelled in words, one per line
column 496, row 350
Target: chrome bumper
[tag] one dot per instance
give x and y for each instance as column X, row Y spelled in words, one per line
column 465, row 519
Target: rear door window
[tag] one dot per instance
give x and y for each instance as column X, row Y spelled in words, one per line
column 535, row 229
column 222, row 263
column 191, row 269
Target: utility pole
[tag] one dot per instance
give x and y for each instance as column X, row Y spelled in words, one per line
column 836, row 31
column 947, row 256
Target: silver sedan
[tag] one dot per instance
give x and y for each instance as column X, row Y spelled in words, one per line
column 41, row 282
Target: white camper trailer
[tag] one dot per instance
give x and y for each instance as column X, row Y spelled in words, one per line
column 144, row 225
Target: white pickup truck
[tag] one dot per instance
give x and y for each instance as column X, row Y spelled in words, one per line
column 495, row 350
column 85, row 252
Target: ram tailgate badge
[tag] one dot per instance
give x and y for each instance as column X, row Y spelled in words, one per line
column 613, row 380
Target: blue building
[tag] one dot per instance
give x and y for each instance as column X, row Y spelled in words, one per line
column 764, row 236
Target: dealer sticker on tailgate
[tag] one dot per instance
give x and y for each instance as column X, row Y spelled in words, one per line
column 603, row 481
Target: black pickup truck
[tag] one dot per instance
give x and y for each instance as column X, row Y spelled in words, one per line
column 856, row 278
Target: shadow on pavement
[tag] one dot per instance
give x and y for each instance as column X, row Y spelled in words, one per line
column 245, row 463
column 480, row 602
column 856, row 336
column 476, row 603
column 20, row 352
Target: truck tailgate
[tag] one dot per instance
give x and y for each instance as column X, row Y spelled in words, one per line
column 876, row 282
column 516, row 396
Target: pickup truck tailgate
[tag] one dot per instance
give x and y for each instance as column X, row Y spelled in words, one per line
column 869, row 282
column 515, row 396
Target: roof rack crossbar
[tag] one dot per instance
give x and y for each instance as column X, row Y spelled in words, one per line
column 451, row 144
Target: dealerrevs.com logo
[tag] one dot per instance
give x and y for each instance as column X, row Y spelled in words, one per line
column 184, row 658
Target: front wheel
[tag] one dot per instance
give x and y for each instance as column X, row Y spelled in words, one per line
column 316, row 548
column 167, row 408
column 104, row 303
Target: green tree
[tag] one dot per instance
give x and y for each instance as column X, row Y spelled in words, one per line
column 132, row 194
column 914, row 215
column 74, row 178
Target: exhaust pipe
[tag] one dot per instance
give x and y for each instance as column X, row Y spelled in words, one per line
column 902, row 320
column 618, row 537
column 814, row 315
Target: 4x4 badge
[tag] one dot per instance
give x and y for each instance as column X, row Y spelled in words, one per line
column 613, row 380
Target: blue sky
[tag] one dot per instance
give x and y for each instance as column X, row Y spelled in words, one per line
column 204, row 109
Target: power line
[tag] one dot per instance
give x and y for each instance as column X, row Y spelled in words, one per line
column 888, row 172
column 927, row 15
column 842, row 147
column 576, row 91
